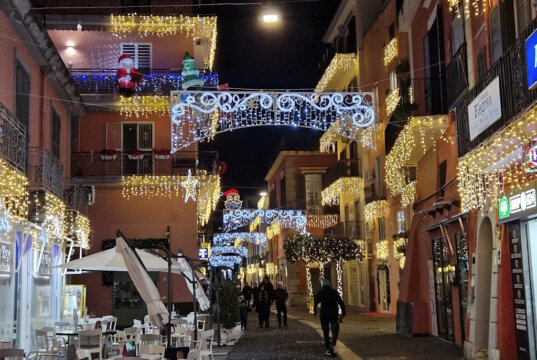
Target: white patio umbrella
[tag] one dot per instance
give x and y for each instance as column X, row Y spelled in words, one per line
column 184, row 268
column 142, row 281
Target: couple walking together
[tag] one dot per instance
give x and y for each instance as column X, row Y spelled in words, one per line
column 264, row 296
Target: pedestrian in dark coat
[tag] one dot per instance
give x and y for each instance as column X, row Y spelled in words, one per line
column 243, row 312
column 329, row 300
column 247, row 293
column 262, row 305
column 281, row 296
column 270, row 293
column 255, row 294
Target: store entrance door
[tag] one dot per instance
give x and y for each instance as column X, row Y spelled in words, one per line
column 384, row 291
column 444, row 274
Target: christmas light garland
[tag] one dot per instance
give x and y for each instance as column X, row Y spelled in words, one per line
column 322, row 221
column 390, row 51
column 225, row 261
column 419, row 134
column 13, row 192
column 192, row 112
column 230, row 238
column 78, row 228
column 143, row 106
column 399, row 250
column 498, row 163
column 146, row 25
column 339, row 63
column 374, row 210
column 477, row 6
column 289, row 219
column 54, row 225
column 382, row 250
column 392, row 100
column 346, row 187
column 229, row 250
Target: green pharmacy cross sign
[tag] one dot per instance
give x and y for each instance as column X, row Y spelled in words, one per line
column 503, row 208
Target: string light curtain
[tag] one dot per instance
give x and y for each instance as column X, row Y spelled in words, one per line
column 340, row 63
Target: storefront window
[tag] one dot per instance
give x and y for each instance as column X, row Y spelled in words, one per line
column 7, row 289
column 41, row 303
column 462, row 275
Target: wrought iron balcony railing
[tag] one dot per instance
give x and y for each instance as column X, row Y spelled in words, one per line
column 93, row 164
column 12, row 139
column 46, row 171
column 155, row 81
column 343, row 168
column 515, row 97
column 76, row 196
column 456, row 78
column 353, row 230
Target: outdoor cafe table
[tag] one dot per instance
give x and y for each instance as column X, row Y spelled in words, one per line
column 73, row 333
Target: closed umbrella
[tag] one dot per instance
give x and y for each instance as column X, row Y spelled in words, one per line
column 186, row 270
column 143, row 283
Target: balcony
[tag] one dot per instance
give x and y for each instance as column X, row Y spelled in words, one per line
column 92, row 164
column 12, row 139
column 155, row 81
column 514, row 94
column 76, row 196
column 456, row 80
column 46, row 171
column 353, row 230
column 375, row 192
column 343, row 168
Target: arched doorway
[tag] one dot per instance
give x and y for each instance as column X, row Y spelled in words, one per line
column 482, row 284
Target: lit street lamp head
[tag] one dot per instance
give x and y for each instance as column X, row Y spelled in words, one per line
column 270, row 16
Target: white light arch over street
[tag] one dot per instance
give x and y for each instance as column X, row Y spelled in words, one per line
column 200, row 115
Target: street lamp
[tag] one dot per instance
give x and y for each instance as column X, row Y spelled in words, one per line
column 270, row 16
column 263, row 193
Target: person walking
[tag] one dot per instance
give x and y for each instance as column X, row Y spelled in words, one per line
column 262, row 305
column 270, row 293
column 329, row 300
column 281, row 296
column 247, row 293
column 243, row 312
column 255, row 294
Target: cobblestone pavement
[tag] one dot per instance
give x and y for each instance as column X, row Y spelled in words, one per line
column 298, row 341
column 362, row 337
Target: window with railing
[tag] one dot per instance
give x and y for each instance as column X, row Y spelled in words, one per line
column 401, row 227
column 382, row 228
column 22, row 95
column 140, row 53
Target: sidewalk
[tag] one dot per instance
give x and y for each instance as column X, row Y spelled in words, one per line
column 372, row 336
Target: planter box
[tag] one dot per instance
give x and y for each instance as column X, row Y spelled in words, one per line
column 162, row 157
column 108, row 157
column 133, row 157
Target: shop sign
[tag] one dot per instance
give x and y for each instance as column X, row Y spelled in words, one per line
column 531, row 60
column 203, row 254
column 5, row 259
column 43, row 271
column 518, row 205
column 532, row 155
column 519, row 292
column 485, row 109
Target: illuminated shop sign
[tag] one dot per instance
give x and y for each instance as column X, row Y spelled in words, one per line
column 517, row 206
column 531, row 60
column 204, row 254
column 5, row 259
column 532, row 155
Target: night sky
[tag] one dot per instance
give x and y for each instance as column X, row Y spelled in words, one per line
column 252, row 56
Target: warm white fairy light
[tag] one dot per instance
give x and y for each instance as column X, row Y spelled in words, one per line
column 382, row 250
column 392, row 100
column 146, row 25
column 339, row 63
column 54, row 225
column 418, row 135
column 339, row 274
column 390, row 51
column 13, row 191
column 144, row 105
column 190, row 185
column 310, row 288
column 322, row 221
column 346, row 187
column 374, row 210
column 498, row 163
column 398, row 252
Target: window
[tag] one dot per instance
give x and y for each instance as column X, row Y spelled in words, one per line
column 401, row 228
column 393, row 81
column 382, row 228
column 457, row 31
column 313, row 193
column 379, row 175
column 442, row 169
column 351, row 37
column 140, row 52
column 481, row 64
column 55, row 133
column 282, row 192
column 137, row 136
column 22, row 96
column 495, row 33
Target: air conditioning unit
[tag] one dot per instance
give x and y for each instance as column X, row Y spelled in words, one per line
column 91, row 194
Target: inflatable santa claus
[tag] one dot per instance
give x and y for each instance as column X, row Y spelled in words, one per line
column 127, row 75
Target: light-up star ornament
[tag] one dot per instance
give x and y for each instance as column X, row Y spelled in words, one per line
column 190, row 185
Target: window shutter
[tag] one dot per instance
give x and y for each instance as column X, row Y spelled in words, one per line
column 22, row 98
column 56, row 134
column 141, row 53
column 300, row 191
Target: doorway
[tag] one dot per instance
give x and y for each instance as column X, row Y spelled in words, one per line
column 482, row 284
column 383, row 278
column 444, row 275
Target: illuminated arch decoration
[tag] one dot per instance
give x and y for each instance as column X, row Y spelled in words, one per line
column 222, row 239
column 289, row 219
column 200, row 115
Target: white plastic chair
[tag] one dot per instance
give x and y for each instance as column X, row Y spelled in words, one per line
column 194, row 355
column 92, row 341
column 147, row 350
column 205, row 344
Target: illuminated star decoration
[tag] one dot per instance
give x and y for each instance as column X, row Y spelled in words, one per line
column 190, row 185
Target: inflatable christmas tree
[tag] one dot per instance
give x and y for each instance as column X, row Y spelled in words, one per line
column 191, row 75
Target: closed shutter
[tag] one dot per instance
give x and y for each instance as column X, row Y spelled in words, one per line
column 22, row 97
column 141, row 53
column 300, row 191
column 56, row 134
column 523, row 12
column 496, row 33
column 113, row 135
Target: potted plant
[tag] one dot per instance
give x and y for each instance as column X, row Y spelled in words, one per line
column 162, row 154
column 227, row 312
column 136, row 155
column 108, row 154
